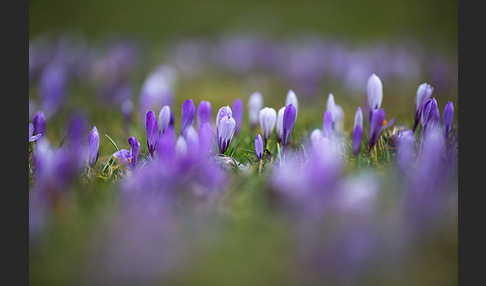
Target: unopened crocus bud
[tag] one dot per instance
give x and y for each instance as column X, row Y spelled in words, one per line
column 164, row 119
column 357, row 131
column 405, row 151
column 327, row 124
column 259, row 147
column 280, row 115
column 376, row 124
column 93, row 146
column 151, row 128
column 223, row 112
column 203, row 113
column 255, row 103
column 424, row 92
column 187, row 115
column 225, row 130
column 336, row 112
column 292, row 98
column 447, row 118
column 430, row 115
column 268, row 118
column 33, row 137
column 288, row 122
column 134, row 150
column 238, row 114
column 39, row 122
column 206, row 137
column 374, row 93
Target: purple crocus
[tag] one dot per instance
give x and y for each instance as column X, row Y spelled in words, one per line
column 39, row 122
column 288, row 123
column 357, row 131
column 430, row 115
column 376, row 125
column 33, row 137
column 152, row 132
column 375, row 93
column 206, row 138
column 187, row 115
column 406, row 151
column 93, row 146
column 225, row 130
column 327, row 124
column 447, row 118
column 134, row 150
column 238, row 113
column 123, row 155
column 279, row 124
column 164, row 119
column 424, row 92
column 255, row 103
column 259, row 147
column 268, row 117
column 292, row 98
column 203, row 113
column 52, row 87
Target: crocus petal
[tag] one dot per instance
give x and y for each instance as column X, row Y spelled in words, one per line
column 238, row 113
column 377, row 118
column 357, row 137
column 358, row 117
column 223, row 112
column 268, row 118
column 424, row 92
column 259, row 146
column 280, row 115
column 255, row 103
column 151, row 128
column 164, row 119
column 187, row 115
column 289, row 116
column 225, row 131
column 292, row 99
column 430, row 115
column 203, row 113
column 447, row 118
column 123, row 156
column 134, row 150
column 39, row 122
column 93, row 146
column 375, row 92
column 327, row 124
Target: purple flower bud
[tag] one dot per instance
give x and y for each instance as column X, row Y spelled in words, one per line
column 424, row 92
column 206, row 137
column 238, row 114
column 123, row 156
column 181, row 147
column 405, row 150
column 203, row 113
column 280, row 115
column 357, row 131
column 39, row 122
column 152, row 132
column 447, row 118
column 430, row 115
column 255, row 103
column 32, row 137
column 288, row 122
column 52, row 88
column 259, row 147
column 292, row 98
column 93, row 146
column 268, row 117
column 327, row 124
column 164, row 119
column 375, row 93
column 377, row 120
column 223, row 112
column 187, row 115
column 225, row 131
column 157, row 90
column 134, row 150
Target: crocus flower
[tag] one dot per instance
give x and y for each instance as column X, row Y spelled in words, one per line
column 152, row 132
column 405, row 151
column 225, row 130
column 238, row 114
column 280, row 115
column 164, row 119
column 377, row 122
column 123, row 155
column 268, row 117
column 292, row 98
column 52, row 87
column 259, row 147
column 223, row 112
column 206, row 137
column 187, row 115
column 447, row 118
column 93, row 146
column 430, row 115
column 157, row 90
column 39, row 122
column 33, row 137
column 255, row 103
column 357, row 131
column 327, row 124
column 134, row 150
column 288, row 122
column 375, row 93
column 203, row 113
column 336, row 111
column 424, row 92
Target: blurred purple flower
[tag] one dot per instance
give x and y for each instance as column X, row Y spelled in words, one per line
column 357, row 131
column 134, row 150
column 447, row 118
column 33, row 137
column 52, row 88
column 237, row 109
column 292, row 98
column 375, row 93
column 39, row 122
column 151, row 128
column 279, row 125
column 376, row 125
column 288, row 123
column 187, row 115
column 268, row 118
column 203, row 113
column 255, row 103
column 430, row 116
column 93, row 146
column 424, row 92
column 164, row 119
column 327, row 124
